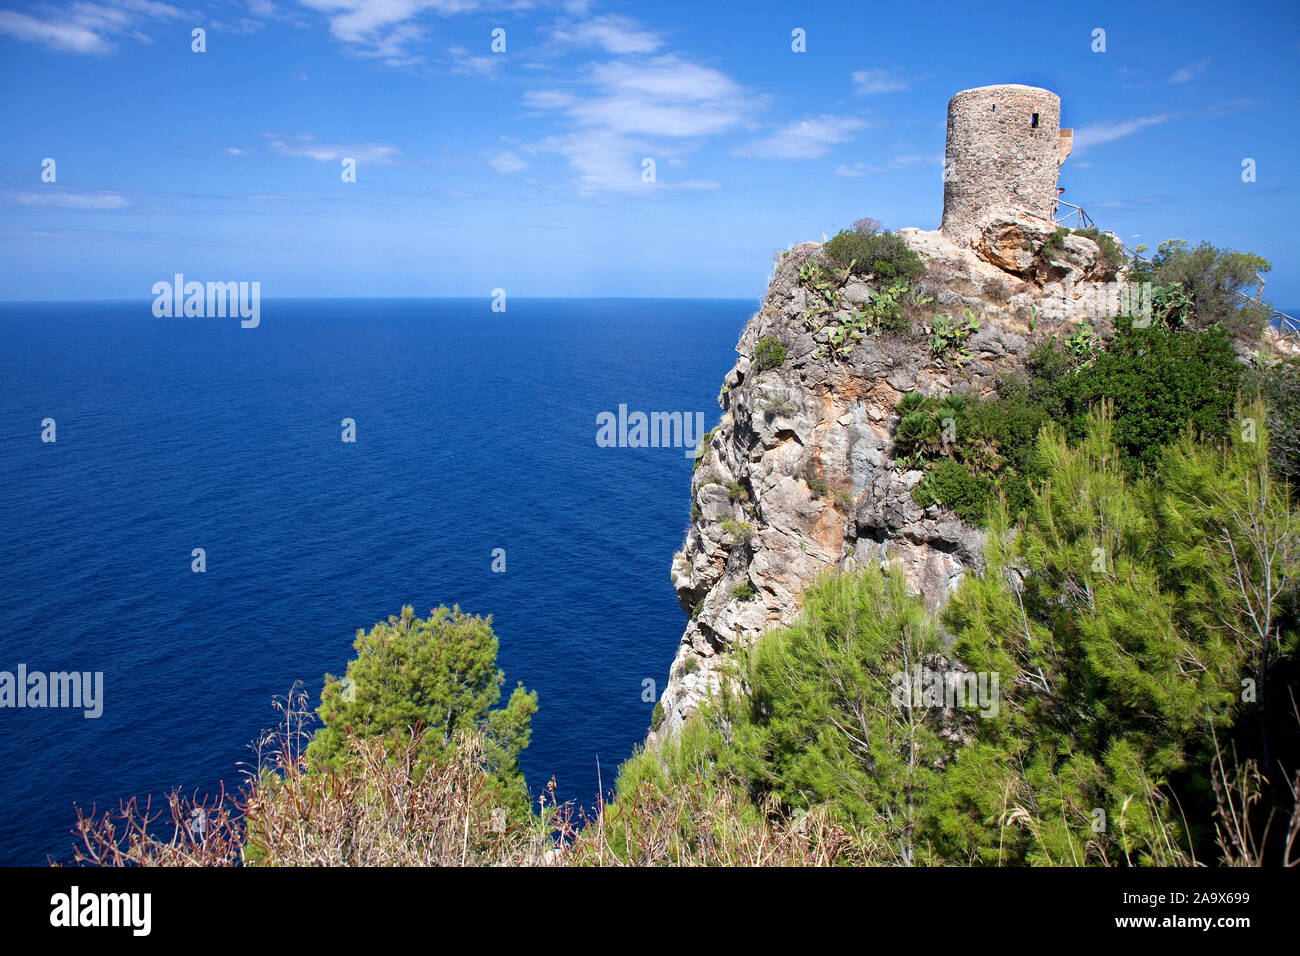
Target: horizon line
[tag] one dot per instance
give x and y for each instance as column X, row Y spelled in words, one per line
column 406, row 298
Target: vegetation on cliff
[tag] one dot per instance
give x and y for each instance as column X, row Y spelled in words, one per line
column 1140, row 718
column 1115, row 686
column 1159, row 380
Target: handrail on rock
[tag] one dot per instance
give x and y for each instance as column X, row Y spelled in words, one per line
column 1082, row 219
column 1285, row 324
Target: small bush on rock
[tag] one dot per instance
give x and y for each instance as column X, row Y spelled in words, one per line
column 769, row 353
column 880, row 254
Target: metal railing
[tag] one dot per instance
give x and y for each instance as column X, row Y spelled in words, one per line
column 1285, row 324
column 1081, row 218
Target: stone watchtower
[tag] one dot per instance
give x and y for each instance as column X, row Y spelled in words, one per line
column 1005, row 148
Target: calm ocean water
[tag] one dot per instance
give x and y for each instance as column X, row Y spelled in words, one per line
column 475, row 430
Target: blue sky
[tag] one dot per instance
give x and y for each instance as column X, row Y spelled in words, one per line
column 523, row 170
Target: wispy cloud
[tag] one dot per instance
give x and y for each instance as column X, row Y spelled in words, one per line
column 85, row 27
column 907, row 161
column 614, row 34
column 307, row 147
column 1085, row 137
column 1133, row 203
column 666, row 96
column 385, row 29
column 624, row 111
column 470, row 64
column 506, row 162
column 1188, row 73
column 805, row 139
column 1228, row 107
column 871, row 82
column 549, row 99
column 69, row 199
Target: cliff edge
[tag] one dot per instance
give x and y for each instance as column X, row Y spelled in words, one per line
column 800, row 476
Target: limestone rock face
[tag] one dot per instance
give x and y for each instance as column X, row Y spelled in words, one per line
column 798, row 478
column 1010, row 242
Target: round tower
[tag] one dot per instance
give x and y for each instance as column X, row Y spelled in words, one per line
column 1005, row 148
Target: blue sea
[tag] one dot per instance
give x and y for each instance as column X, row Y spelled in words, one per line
column 475, row 431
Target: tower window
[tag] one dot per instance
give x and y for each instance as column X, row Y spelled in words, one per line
column 1033, row 123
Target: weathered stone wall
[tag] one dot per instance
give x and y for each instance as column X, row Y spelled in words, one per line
column 998, row 161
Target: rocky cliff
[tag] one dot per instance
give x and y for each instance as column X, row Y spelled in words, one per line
column 799, row 477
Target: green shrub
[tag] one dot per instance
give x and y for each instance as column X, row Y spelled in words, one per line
column 880, row 254
column 991, row 439
column 437, row 672
column 821, row 727
column 657, row 716
column 769, row 353
column 1111, row 254
column 737, row 491
column 743, row 591
column 1126, row 644
column 950, row 484
column 1211, row 277
column 1055, row 242
column 738, row 530
column 1159, row 380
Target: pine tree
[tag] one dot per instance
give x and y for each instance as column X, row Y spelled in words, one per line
column 437, row 674
column 1122, row 616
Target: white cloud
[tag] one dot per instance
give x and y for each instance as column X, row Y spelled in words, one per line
column 85, row 27
column 805, row 139
column 379, row 154
column 507, row 162
column 463, row 61
column 548, row 99
column 1086, row 137
column 385, row 29
column 905, row 161
column 235, row 151
column 665, row 96
column 614, row 34
column 63, row 199
column 1136, row 201
column 871, row 82
column 1188, row 73
column 631, row 110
